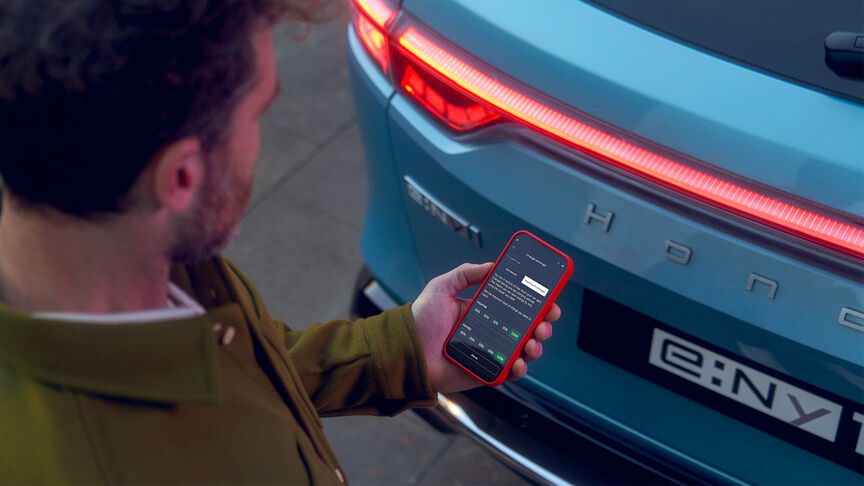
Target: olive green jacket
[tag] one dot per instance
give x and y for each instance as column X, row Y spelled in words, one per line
column 230, row 397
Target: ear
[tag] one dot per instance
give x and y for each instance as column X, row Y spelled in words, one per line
column 178, row 174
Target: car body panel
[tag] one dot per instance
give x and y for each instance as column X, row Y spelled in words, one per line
column 386, row 243
column 784, row 39
column 555, row 198
column 746, row 295
column 720, row 277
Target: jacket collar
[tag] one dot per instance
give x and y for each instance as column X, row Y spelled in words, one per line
column 163, row 361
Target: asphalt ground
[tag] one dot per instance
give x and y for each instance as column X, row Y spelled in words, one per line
column 300, row 245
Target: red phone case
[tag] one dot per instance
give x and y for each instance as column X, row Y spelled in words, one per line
column 548, row 305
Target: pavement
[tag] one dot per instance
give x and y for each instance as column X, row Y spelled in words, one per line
column 300, row 245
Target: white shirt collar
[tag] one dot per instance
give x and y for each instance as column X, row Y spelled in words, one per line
column 180, row 305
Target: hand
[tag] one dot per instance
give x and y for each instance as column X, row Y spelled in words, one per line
column 436, row 311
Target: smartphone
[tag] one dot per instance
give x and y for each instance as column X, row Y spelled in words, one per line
column 509, row 304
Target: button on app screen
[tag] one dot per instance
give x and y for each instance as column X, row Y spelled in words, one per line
column 508, row 303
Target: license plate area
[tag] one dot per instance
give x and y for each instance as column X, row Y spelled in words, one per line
column 794, row 411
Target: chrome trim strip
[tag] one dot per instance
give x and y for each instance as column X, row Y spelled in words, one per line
column 852, row 318
column 374, row 292
column 462, row 417
column 441, row 212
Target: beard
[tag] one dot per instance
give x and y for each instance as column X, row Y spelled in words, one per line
column 214, row 222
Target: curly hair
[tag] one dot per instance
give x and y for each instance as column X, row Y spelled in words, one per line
column 90, row 90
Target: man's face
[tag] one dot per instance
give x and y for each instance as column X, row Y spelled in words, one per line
column 214, row 221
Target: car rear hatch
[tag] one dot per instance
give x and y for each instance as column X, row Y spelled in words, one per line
column 653, row 261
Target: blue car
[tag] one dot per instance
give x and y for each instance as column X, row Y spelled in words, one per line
column 702, row 163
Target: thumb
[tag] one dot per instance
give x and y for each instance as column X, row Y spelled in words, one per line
column 464, row 276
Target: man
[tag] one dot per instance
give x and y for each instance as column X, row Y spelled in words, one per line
column 130, row 352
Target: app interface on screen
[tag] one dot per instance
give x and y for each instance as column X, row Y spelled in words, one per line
column 512, row 298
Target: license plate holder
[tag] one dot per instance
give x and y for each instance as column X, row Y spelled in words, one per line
column 794, row 411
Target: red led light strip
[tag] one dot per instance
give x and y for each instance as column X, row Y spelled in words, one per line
column 374, row 40
column 782, row 215
column 377, row 10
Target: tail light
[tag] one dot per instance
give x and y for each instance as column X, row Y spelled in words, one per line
column 446, row 80
column 370, row 22
column 454, row 108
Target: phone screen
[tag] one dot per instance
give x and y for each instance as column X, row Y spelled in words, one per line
column 506, row 306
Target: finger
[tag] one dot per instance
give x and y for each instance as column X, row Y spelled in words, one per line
column 465, row 275
column 463, row 304
column 518, row 370
column 533, row 349
column 543, row 331
column 554, row 313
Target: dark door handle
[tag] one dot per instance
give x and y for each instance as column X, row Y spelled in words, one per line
column 844, row 53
